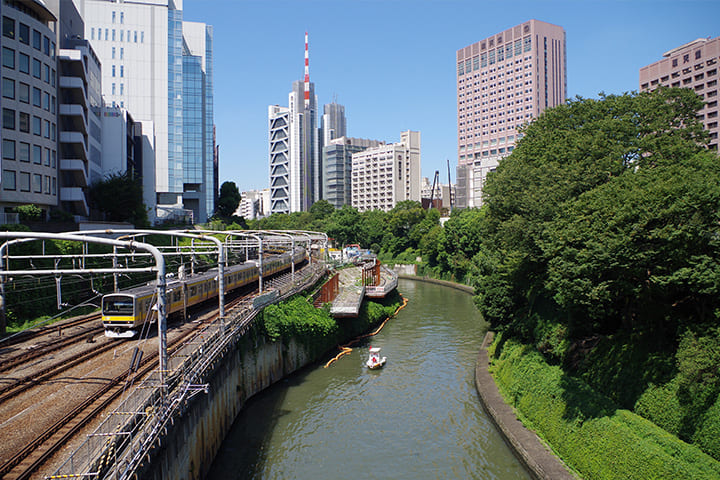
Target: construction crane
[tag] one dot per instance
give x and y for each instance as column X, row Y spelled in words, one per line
column 432, row 190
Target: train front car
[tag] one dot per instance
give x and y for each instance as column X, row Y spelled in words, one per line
column 119, row 315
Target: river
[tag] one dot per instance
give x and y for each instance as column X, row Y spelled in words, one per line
column 419, row 417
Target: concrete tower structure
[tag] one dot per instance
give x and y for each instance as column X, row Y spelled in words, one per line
column 693, row 65
column 503, row 82
column 295, row 183
column 334, row 124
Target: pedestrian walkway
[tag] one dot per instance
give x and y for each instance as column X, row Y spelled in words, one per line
column 351, row 293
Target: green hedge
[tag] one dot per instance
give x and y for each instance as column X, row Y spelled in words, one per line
column 586, row 429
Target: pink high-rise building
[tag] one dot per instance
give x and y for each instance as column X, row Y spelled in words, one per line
column 693, row 65
column 504, row 81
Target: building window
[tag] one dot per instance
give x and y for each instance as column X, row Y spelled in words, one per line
column 122, row 17
column 24, row 152
column 113, row 70
column 106, row 34
column 24, row 34
column 8, row 58
column 527, row 44
column 24, row 63
column 122, row 88
column 135, row 36
column 47, row 184
column 37, row 183
column 698, row 54
column 8, row 179
column 37, row 96
column 37, row 126
column 8, row 88
column 37, row 40
column 37, row 155
column 674, row 62
column 37, row 68
column 112, row 55
column 8, row 118
column 46, row 46
column 54, row 159
column 8, row 27
column 113, row 89
column 54, row 186
column 24, row 122
column 122, row 70
column 46, row 132
column 142, row 37
column 46, row 73
column 24, row 182
column 52, row 77
column 8, row 150
column 113, row 16
column 122, row 53
column 92, row 33
column 46, row 101
column 113, row 34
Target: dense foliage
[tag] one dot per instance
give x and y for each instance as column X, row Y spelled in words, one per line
column 592, row 435
column 119, row 198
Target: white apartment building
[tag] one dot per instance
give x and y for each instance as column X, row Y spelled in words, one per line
column 384, row 175
column 254, row 204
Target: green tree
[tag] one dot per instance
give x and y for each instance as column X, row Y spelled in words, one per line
column 567, row 151
column 119, row 198
column 228, row 200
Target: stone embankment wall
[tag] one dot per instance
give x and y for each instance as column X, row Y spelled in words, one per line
column 193, row 440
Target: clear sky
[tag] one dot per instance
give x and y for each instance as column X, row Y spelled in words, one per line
column 392, row 62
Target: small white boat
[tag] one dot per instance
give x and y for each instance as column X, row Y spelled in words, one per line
column 375, row 361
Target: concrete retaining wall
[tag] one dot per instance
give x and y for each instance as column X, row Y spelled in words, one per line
column 194, row 439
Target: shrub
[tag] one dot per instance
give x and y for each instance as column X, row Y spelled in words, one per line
column 586, row 429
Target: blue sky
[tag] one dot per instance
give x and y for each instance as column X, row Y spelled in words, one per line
column 392, row 62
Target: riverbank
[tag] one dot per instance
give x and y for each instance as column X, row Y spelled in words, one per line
column 526, row 445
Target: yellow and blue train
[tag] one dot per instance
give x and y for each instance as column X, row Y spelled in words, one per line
column 125, row 312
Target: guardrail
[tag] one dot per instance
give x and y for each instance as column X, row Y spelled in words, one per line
column 389, row 283
column 123, row 441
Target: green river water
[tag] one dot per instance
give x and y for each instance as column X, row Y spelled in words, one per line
column 417, row 418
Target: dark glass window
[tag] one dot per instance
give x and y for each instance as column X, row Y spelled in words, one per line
column 37, row 95
column 24, row 34
column 37, row 154
column 8, row 58
column 8, row 118
column 37, row 183
column 46, row 46
column 24, row 92
column 24, row 122
column 8, row 180
column 8, row 27
column 8, row 150
column 24, row 63
column 37, row 126
column 37, row 68
column 37, row 40
column 8, row 88
column 24, row 152
column 24, row 181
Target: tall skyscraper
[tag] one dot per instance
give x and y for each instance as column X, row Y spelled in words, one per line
column 693, row 65
column 303, row 173
column 334, row 124
column 142, row 46
column 504, row 81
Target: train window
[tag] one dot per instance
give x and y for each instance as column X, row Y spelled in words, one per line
column 114, row 305
column 193, row 290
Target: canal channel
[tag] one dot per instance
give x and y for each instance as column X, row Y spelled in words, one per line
column 419, row 417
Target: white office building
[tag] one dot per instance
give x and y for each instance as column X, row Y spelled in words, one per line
column 143, row 52
column 384, row 175
column 279, row 141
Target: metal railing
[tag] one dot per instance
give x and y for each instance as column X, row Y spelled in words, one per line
column 124, row 439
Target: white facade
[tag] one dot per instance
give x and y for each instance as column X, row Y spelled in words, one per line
column 254, row 204
column 279, row 141
column 304, row 143
column 131, row 40
column 385, row 175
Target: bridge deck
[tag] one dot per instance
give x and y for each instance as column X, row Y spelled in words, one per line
column 348, row 301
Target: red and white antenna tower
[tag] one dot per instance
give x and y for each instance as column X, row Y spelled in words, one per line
column 307, row 74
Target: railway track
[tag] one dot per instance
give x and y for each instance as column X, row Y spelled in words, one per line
column 52, row 345
column 27, row 461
